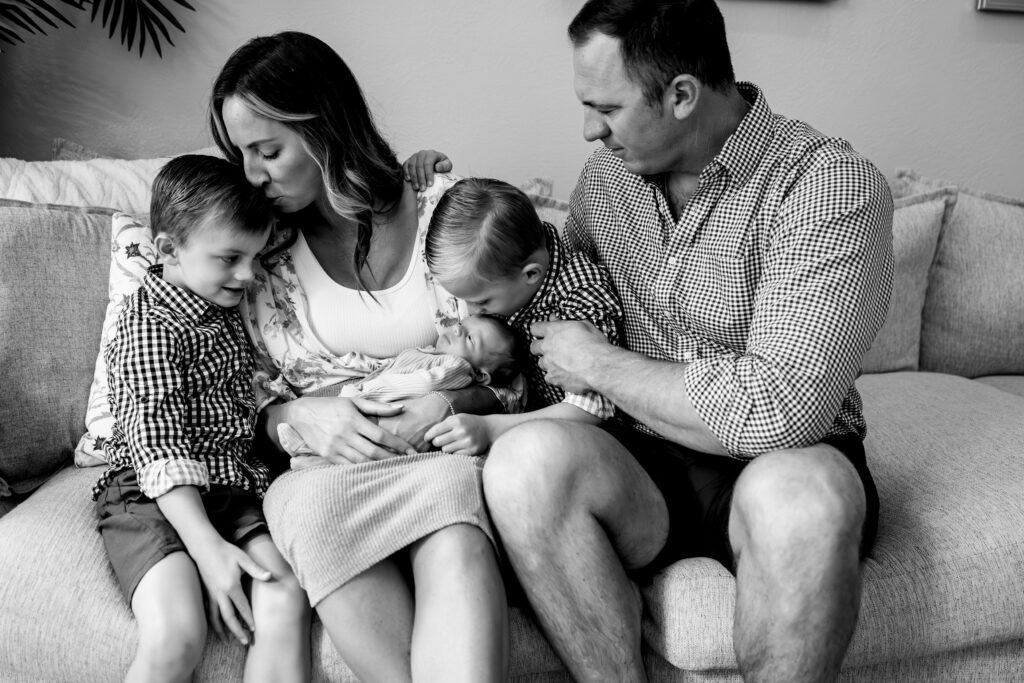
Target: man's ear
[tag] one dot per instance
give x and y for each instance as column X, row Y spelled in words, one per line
column 533, row 272
column 682, row 95
column 166, row 248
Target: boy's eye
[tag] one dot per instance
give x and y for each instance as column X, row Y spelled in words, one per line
column 228, row 259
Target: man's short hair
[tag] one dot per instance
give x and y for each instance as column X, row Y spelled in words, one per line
column 661, row 39
column 190, row 187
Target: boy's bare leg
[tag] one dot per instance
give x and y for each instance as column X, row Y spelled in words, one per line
column 369, row 620
column 168, row 607
column 280, row 646
column 461, row 627
column 574, row 509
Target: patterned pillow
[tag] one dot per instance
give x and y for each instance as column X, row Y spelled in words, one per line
column 132, row 253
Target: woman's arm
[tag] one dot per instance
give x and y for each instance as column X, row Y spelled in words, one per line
column 336, row 428
column 420, row 414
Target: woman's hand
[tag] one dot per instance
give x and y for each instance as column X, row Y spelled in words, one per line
column 339, row 431
column 462, row 433
column 418, row 416
column 420, row 168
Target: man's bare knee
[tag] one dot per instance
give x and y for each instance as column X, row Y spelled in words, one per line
column 797, row 498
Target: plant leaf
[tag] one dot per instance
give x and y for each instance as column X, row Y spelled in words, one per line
column 159, row 7
column 16, row 15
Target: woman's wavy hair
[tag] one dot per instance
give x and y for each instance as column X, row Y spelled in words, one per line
column 483, row 228
column 661, row 39
column 300, row 81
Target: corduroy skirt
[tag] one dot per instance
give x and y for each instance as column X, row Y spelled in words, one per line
column 333, row 522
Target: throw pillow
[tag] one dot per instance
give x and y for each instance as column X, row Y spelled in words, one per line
column 51, row 305
column 973, row 320
column 132, row 252
column 916, row 223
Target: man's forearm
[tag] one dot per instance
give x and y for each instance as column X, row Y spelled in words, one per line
column 654, row 392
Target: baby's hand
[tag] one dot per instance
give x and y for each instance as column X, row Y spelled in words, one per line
column 420, row 168
column 462, row 433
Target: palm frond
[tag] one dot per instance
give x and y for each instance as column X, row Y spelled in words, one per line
column 146, row 20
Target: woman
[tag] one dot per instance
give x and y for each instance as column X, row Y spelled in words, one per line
column 369, row 515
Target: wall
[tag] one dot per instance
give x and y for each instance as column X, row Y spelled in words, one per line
column 930, row 84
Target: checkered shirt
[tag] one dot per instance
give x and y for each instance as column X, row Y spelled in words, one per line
column 573, row 289
column 770, row 286
column 181, row 394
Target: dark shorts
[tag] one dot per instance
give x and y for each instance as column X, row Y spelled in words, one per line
column 137, row 535
column 697, row 488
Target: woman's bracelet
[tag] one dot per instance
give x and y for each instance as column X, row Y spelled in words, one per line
column 446, row 400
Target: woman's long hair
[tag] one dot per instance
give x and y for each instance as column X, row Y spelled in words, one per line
column 300, row 81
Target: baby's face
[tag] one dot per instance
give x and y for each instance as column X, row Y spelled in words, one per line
column 480, row 341
column 500, row 297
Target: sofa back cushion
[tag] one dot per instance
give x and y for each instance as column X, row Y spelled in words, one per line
column 973, row 320
column 54, row 262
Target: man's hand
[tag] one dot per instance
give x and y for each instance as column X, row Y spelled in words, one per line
column 417, row 417
column 462, row 433
column 568, row 351
column 221, row 566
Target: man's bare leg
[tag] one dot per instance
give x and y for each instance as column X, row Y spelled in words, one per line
column 573, row 507
column 795, row 528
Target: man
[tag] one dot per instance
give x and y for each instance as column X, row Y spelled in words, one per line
column 754, row 259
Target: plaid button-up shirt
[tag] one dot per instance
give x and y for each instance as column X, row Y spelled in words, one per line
column 770, row 285
column 573, row 289
column 181, row 393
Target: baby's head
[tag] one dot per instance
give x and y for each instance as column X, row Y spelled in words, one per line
column 209, row 225
column 488, row 344
column 487, row 246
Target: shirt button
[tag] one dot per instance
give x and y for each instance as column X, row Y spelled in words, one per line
column 672, row 260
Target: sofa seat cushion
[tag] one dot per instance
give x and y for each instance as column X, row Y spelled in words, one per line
column 58, row 594
column 947, row 570
column 1011, row 383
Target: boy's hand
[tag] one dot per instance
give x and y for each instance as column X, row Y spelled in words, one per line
column 221, row 566
column 420, row 168
column 462, row 433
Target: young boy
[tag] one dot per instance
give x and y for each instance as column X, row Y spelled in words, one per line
column 480, row 349
column 179, row 505
column 486, row 245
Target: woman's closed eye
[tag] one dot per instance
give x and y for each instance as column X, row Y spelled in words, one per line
column 270, row 155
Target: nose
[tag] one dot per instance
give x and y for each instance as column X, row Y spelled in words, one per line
column 244, row 272
column 255, row 172
column 458, row 330
column 594, row 127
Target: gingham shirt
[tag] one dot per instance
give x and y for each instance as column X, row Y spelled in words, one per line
column 770, row 286
column 181, row 393
column 573, row 289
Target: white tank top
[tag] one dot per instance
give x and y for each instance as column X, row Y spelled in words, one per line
column 346, row 320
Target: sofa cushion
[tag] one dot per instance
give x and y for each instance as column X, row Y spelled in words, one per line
column 132, row 253
column 56, row 586
column 945, row 454
column 973, row 321
column 916, row 223
column 1013, row 384
column 53, row 261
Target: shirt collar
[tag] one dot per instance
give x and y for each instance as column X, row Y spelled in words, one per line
column 555, row 257
column 742, row 150
column 178, row 299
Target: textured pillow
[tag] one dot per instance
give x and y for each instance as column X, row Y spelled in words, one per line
column 131, row 253
column 916, row 223
column 53, row 269
column 973, row 321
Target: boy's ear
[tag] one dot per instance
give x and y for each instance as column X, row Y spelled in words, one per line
column 166, row 248
column 533, row 272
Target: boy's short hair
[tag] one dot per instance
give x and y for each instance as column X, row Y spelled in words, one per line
column 482, row 227
column 192, row 186
column 511, row 362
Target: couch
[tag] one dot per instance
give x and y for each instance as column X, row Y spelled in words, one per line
column 943, row 391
